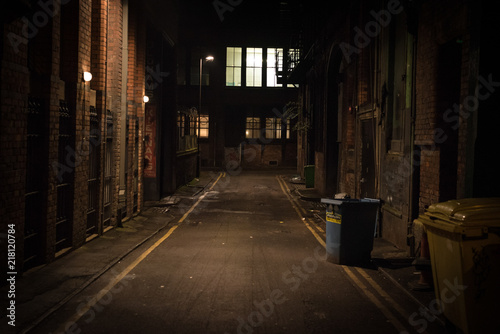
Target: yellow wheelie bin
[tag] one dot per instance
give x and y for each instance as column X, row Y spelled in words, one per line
column 464, row 244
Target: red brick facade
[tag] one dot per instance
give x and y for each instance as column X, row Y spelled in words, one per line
column 408, row 74
column 63, row 175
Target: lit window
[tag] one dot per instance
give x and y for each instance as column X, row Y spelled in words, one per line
column 275, row 127
column 254, row 67
column 233, row 66
column 253, row 127
column 181, row 124
column 287, row 123
column 274, row 65
column 192, row 125
column 203, row 131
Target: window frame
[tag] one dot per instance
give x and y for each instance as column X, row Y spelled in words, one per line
column 253, row 131
column 235, row 65
column 204, row 128
column 255, row 66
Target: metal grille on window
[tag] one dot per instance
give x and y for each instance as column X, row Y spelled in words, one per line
column 65, row 181
column 108, row 170
column 93, row 179
column 253, row 127
column 136, row 166
column 33, row 196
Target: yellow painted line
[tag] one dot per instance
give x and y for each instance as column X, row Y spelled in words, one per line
column 296, row 207
column 213, row 185
column 304, row 212
column 316, row 225
column 381, row 292
column 388, row 314
column 301, row 208
column 384, row 294
column 92, row 302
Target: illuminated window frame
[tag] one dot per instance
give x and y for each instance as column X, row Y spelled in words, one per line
column 234, row 56
column 254, row 67
column 275, row 127
column 204, row 126
column 274, row 57
column 253, row 127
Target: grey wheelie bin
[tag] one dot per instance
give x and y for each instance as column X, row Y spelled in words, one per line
column 350, row 229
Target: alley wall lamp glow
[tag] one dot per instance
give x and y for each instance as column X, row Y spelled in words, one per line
column 87, row 76
column 145, row 99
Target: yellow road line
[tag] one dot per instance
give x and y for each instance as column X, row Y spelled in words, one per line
column 384, row 294
column 297, row 207
column 388, row 314
column 304, row 211
column 92, row 302
column 381, row 291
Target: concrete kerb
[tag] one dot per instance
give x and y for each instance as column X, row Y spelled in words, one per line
column 28, row 325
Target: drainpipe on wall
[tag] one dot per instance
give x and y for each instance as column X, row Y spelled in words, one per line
column 123, row 113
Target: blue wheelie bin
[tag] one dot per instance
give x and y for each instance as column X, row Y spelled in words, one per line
column 350, row 229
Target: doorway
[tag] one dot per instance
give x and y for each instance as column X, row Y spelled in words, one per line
column 367, row 177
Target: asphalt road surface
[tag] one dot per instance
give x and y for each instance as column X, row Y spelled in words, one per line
column 239, row 258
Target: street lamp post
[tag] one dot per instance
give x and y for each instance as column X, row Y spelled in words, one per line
column 198, row 165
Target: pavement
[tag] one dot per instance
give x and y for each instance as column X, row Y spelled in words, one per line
column 45, row 289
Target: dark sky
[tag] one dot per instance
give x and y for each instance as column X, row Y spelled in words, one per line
column 221, row 14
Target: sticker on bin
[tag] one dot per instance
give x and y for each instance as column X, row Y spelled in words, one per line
column 334, row 217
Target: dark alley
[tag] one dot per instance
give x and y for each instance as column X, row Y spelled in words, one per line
column 233, row 258
column 213, row 166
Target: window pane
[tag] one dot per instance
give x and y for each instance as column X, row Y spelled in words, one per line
column 254, row 67
column 254, row 57
column 253, row 127
column 258, row 77
column 237, row 76
column 270, row 128
column 229, row 76
column 233, row 66
column 278, row 128
column 237, row 57
column 250, row 78
column 271, row 78
column 274, row 64
column 204, row 126
column 230, row 56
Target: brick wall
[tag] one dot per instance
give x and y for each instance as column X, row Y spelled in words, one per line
column 440, row 23
column 78, row 36
column 135, row 108
column 14, row 91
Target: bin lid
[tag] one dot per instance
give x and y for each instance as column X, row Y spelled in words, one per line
column 349, row 200
column 468, row 211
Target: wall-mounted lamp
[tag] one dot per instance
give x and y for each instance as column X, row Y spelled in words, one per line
column 87, row 76
column 145, row 99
